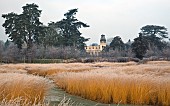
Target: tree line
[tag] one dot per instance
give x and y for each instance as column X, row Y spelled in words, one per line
column 30, row 39
column 27, row 28
column 152, row 38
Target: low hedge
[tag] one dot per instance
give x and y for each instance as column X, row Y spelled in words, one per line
column 47, row 61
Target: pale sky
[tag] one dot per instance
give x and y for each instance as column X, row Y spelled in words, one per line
column 112, row 18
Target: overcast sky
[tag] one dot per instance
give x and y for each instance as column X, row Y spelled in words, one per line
column 112, row 18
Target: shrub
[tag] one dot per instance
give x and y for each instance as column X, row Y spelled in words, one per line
column 89, row 60
column 122, row 59
column 47, row 61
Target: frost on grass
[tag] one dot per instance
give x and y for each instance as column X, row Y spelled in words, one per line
column 17, row 102
column 27, row 89
column 131, row 84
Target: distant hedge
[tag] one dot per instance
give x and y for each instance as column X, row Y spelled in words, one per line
column 47, row 61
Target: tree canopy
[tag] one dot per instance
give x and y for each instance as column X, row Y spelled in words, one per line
column 140, row 46
column 155, row 31
column 26, row 28
column 69, row 30
column 117, row 43
column 23, row 27
column 155, row 35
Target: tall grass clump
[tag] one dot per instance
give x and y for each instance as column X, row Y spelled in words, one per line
column 115, row 85
column 25, row 89
column 53, row 69
column 50, row 72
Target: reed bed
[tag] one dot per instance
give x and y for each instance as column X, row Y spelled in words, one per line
column 147, row 84
column 124, row 83
column 51, row 71
column 44, row 69
column 7, row 69
column 25, row 89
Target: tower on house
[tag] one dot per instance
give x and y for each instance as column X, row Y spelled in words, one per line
column 102, row 42
column 96, row 49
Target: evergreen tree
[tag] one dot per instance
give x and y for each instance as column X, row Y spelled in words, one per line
column 23, row 27
column 155, row 35
column 140, row 46
column 69, row 30
column 117, row 43
column 49, row 36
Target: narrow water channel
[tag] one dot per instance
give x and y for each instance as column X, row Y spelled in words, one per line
column 55, row 95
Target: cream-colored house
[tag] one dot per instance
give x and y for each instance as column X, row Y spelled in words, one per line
column 96, row 49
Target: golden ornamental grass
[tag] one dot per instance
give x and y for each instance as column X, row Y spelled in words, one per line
column 28, row 88
column 147, row 84
column 124, row 83
column 44, row 69
column 51, row 71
